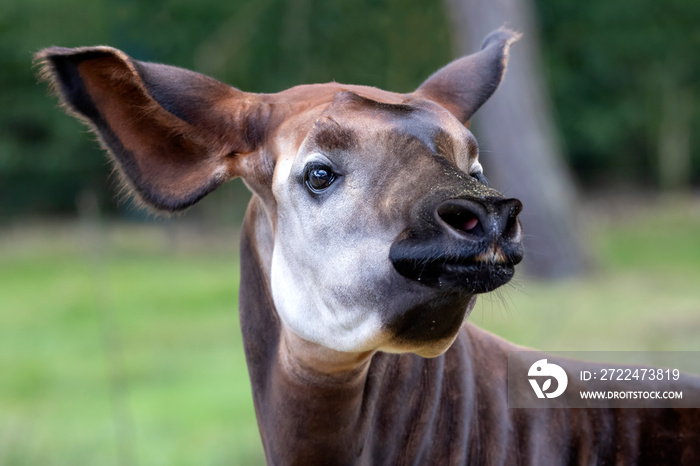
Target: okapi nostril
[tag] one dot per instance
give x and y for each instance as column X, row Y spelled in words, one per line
column 461, row 219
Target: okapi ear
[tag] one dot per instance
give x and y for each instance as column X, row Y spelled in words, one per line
column 465, row 84
column 175, row 135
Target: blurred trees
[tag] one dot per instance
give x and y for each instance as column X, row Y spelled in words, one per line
column 623, row 75
column 625, row 78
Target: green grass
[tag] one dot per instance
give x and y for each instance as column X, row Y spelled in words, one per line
column 135, row 348
column 124, row 343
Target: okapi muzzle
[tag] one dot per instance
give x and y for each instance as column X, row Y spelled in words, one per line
column 461, row 240
column 467, row 244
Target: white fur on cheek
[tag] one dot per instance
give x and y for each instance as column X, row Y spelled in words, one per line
column 300, row 305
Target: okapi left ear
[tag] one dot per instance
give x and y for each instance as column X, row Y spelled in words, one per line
column 465, row 84
column 175, row 135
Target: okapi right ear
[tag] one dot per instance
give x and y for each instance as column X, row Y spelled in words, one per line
column 175, row 135
column 465, row 84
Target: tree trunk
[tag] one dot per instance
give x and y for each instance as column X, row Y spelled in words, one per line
column 518, row 139
column 674, row 156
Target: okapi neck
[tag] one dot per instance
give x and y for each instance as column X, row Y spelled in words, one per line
column 316, row 365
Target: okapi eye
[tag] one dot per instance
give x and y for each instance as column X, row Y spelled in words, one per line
column 319, row 178
column 480, row 178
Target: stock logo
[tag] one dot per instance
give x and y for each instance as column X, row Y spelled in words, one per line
column 541, row 369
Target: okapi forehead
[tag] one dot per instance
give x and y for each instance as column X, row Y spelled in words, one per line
column 352, row 121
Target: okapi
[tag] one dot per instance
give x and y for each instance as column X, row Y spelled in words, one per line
column 369, row 235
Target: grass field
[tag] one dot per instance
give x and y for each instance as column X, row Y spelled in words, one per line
column 120, row 345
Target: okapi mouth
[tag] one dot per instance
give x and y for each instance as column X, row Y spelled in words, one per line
column 478, row 271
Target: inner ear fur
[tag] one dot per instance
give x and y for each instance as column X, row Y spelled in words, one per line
column 467, row 83
column 174, row 134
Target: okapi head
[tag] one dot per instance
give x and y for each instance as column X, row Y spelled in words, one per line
column 383, row 228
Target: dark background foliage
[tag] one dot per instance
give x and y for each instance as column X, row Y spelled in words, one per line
column 618, row 72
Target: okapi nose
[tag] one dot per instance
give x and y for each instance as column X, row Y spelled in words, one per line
column 495, row 219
